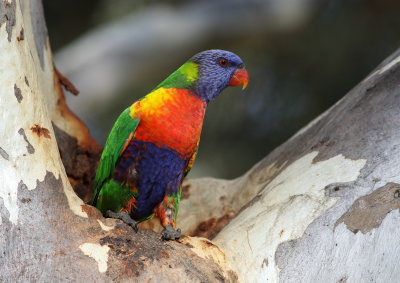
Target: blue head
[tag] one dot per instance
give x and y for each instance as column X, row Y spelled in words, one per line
column 217, row 70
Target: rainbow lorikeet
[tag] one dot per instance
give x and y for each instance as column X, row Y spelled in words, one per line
column 153, row 144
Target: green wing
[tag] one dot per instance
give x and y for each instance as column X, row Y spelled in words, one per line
column 119, row 137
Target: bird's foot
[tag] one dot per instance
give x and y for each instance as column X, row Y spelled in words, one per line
column 124, row 216
column 170, row 233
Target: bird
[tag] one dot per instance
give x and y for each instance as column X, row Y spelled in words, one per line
column 153, row 143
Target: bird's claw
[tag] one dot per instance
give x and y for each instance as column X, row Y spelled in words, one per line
column 124, row 216
column 170, row 233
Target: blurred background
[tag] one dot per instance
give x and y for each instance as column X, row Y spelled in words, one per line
column 302, row 56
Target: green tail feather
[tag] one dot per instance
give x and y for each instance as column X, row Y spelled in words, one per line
column 113, row 196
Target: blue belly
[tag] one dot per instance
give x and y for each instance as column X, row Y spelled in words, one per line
column 154, row 171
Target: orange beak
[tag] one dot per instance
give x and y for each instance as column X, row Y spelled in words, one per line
column 240, row 77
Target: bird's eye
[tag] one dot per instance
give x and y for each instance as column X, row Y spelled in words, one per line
column 223, row 62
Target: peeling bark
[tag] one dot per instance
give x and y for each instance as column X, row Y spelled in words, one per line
column 324, row 206
column 368, row 211
column 47, row 233
column 7, row 16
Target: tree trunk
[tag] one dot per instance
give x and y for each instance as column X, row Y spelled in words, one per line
column 324, row 206
column 47, row 233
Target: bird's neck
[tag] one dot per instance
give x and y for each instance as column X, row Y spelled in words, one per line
column 187, row 77
column 183, row 78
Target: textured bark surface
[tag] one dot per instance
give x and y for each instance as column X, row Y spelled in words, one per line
column 47, row 233
column 325, row 204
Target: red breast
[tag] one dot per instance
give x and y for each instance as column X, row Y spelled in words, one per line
column 172, row 118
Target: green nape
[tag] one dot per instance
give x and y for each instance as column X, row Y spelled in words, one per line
column 113, row 196
column 184, row 77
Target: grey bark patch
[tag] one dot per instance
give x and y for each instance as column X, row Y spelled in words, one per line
column 283, row 253
column 7, row 16
column 31, row 250
column 368, row 211
column 44, row 246
column 39, row 28
column 18, row 93
column 26, row 81
column 29, row 147
column 4, row 154
column 22, row 186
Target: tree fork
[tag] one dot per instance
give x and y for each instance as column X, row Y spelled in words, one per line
column 323, row 206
